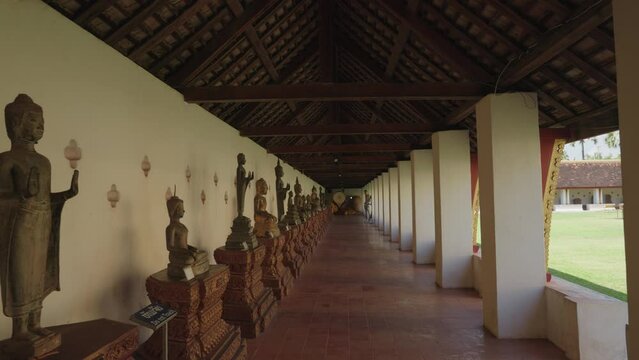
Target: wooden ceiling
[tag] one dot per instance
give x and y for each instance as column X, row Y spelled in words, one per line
column 400, row 69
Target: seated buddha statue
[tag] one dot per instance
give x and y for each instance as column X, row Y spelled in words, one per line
column 181, row 254
column 265, row 223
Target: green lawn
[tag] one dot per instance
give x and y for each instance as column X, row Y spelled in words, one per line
column 587, row 248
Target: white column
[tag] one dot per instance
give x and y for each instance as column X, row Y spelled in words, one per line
column 453, row 209
column 568, row 201
column 386, row 199
column 562, row 197
column 627, row 55
column 380, row 204
column 512, row 225
column 596, row 197
column 377, row 201
column 405, row 206
column 393, row 175
column 423, row 207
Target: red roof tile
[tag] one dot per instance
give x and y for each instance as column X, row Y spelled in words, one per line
column 589, row 174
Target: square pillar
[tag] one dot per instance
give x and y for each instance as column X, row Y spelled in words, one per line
column 627, row 56
column 596, row 197
column 386, row 201
column 380, row 204
column 423, row 207
column 512, row 224
column 453, row 209
column 405, row 193
column 393, row 175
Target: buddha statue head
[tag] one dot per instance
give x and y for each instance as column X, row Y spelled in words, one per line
column 279, row 171
column 241, row 159
column 175, row 206
column 24, row 120
column 261, row 187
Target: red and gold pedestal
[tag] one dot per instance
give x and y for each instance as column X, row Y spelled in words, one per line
column 292, row 258
column 198, row 331
column 275, row 275
column 247, row 302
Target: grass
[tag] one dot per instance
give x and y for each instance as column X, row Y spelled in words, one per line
column 587, row 248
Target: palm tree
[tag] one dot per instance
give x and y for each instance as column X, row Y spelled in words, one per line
column 611, row 140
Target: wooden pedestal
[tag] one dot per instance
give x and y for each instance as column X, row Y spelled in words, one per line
column 275, row 275
column 247, row 302
column 96, row 339
column 290, row 255
column 198, row 331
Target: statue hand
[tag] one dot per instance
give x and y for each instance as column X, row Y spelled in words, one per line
column 73, row 190
column 251, row 176
column 288, row 187
column 33, row 182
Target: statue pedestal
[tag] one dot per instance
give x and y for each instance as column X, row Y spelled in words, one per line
column 275, row 275
column 247, row 302
column 96, row 339
column 294, row 259
column 198, row 331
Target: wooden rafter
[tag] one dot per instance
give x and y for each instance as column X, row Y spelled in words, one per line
column 335, row 129
column 92, row 10
column 135, row 21
column 556, row 41
column 166, row 30
column 342, row 159
column 438, row 43
column 342, row 148
column 209, row 52
column 334, row 92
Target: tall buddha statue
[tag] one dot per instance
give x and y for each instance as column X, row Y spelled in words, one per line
column 280, row 190
column 265, row 223
column 308, row 206
column 181, row 254
column 29, row 230
column 242, row 236
column 292, row 216
column 315, row 201
column 299, row 200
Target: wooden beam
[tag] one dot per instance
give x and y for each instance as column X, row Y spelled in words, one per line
column 169, row 28
column 344, row 148
column 336, row 167
column 210, row 51
column 556, row 42
column 134, row 22
column 606, row 111
column 379, row 158
column 334, row 92
column 336, row 129
column 437, row 42
column 91, row 11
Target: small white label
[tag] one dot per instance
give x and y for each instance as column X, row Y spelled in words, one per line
column 188, row 273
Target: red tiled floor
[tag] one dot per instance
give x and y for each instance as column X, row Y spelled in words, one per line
column 360, row 298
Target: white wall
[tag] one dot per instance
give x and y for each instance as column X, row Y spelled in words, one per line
column 118, row 113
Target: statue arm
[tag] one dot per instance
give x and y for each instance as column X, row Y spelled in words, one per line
column 68, row 194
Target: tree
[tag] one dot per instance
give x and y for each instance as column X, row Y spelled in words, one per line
column 611, row 140
column 583, row 149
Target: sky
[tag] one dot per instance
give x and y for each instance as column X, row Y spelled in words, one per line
column 574, row 152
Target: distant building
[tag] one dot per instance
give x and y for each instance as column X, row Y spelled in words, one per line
column 589, row 182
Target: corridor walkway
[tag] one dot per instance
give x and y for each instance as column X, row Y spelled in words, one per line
column 360, row 298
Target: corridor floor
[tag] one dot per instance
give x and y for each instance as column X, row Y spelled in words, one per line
column 361, row 298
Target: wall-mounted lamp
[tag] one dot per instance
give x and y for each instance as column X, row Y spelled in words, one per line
column 113, row 196
column 146, row 166
column 73, row 153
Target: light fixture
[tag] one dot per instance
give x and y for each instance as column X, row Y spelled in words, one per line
column 113, row 196
column 203, row 197
column 73, row 153
column 188, row 173
column 336, row 160
column 146, row 166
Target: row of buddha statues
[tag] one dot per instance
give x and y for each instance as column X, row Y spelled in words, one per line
column 30, row 217
column 243, row 236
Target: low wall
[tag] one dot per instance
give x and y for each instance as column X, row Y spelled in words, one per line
column 583, row 323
